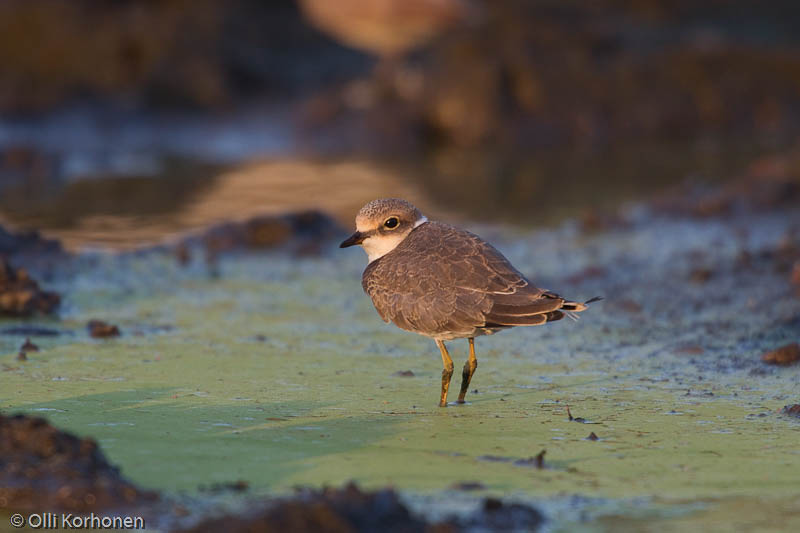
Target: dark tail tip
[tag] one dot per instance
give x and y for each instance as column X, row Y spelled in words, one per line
column 592, row 300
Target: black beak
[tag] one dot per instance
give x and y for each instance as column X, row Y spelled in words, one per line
column 352, row 240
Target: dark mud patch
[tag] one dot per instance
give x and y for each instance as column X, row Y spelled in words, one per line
column 468, row 486
column 536, row 461
column 101, row 330
column 495, row 459
column 42, row 467
column 20, row 294
column 233, row 486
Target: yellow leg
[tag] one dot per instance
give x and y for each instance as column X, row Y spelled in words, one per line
column 447, row 372
column 469, row 369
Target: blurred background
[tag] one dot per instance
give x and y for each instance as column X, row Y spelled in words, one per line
column 125, row 122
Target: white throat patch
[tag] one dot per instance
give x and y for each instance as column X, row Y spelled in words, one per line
column 379, row 245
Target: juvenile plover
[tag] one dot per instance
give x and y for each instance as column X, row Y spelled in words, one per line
column 445, row 283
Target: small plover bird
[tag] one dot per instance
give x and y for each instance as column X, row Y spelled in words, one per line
column 445, row 283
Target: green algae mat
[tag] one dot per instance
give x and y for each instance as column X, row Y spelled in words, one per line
column 277, row 371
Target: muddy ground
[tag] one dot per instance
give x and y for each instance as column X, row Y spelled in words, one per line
column 271, row 369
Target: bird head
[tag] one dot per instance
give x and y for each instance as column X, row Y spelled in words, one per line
column 383, row 224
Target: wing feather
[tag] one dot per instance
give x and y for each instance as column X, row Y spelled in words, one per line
column 442, row 279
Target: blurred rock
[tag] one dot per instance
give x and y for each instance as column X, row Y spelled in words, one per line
column 302, row 233
column 783, row 356
column 42, row 467
column 791, row 410
column 350, row 509
column 172, row 53
column 499, row 516
column 100, row 330
column 341, row 510
column 21, row 296
column 30, row 242
column 539, row 75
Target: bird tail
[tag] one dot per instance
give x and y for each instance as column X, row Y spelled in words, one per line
column 548, row 309
column 571, row 308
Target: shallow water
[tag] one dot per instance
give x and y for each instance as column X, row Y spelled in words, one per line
column 279, row 372
column 96, row 178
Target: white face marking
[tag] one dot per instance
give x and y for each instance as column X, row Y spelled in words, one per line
column 379, row 245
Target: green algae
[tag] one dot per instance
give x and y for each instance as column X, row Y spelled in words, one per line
column 281, row 374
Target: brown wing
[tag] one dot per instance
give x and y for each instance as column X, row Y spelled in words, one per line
column 412, row 286
column 442, row 279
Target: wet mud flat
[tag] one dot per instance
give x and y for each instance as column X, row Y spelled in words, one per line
column 271, row 368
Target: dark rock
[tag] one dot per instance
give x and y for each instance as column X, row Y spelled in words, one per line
column 404, row 374
column 334, row 510
column 42, row 467
column 99, row 329
column 783, row 356
column 791, row 410
column 20, row 295
column 26, row 242
column 497, row 515
column 301, row 232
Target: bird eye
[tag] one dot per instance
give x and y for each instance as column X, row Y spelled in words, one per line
column 391, row 222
